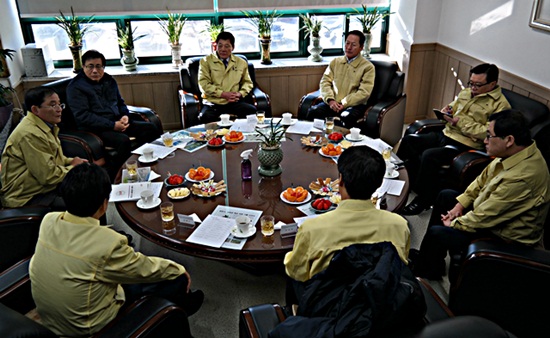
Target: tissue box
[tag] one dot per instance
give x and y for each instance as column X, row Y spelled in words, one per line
column 37, row 60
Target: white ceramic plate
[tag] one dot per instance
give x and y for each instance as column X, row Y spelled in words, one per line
column 237, row 233
column 234, row 142
column 393, row 175
column 155, row 204
column 308, row 197
column 172, row 192
column 205, row 196
column 361, row 138
column 143, row 160
column 225, row 124
column 195, row 181
column 325, row 155
column 216, row 146
column 292, row 122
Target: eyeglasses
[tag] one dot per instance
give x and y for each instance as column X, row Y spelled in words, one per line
column 54, row 106
column 477, row 85
column 91, row 67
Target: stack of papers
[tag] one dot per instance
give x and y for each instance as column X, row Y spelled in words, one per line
column 132, row 191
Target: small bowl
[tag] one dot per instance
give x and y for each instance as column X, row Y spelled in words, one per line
column 170, row 186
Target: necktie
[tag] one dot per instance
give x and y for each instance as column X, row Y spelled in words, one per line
column 225, row 62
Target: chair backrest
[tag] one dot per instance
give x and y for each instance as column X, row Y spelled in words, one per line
column 534, row 111
column 385, row 73
column 67, row 119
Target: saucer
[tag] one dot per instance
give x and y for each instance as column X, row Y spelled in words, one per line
column 237, row 233
column 292, row 122
column 221, row 124
column 393, row 175
column 143, row 160
column 361, row 138
column 155, row 204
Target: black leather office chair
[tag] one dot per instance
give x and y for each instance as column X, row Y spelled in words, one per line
column 385, row 114
column 190, row 97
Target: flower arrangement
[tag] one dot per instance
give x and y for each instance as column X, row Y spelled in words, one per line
column 369, row 19
column 126, row 37
column 263, row 22
column 173, row 26
column 72, row 26
column 273, row 136
column 214, row 30
column 312, row 25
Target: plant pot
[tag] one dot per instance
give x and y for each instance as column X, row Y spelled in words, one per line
column 368, row 43
column 214, row 46
column 129, row 60
column 76, row 52
column 266, row 51
column 176, row 56
column 5, row 113
column 270, row 159
column 315, row 49
column 5, row 72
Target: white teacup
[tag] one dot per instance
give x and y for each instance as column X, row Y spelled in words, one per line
column 390, row 169
column 354, row 133
column 147, row 197
column 224, row 118
column 243, row 223
column 287, row 118
column 148, row 153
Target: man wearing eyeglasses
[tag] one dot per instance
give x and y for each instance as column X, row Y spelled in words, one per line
column 466, row 123
column 98, row 107
column 508, row 201
column 33, row 163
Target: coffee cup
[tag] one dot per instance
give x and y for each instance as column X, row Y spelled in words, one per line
column 243, row 223
column 390, row 169
column 224, row 118
column 147, row 197
column 355, row 133
column 287, row 118
column 148, row 154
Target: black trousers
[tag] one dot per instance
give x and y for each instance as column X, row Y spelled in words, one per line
column 211, row 112
column 322, row 110
column 424, row 155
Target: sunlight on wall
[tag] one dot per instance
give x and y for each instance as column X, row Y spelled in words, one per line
column 492, row 17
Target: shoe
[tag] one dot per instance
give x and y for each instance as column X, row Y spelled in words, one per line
column 415, row 207
column 193, row 302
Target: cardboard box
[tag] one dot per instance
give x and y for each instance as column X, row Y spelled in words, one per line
column 37, row 60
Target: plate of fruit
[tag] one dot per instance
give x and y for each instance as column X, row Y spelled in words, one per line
column 297, row 195
column 215, row 142
column 325, row 187
column 178, row 193
column 200, row 174
column 330, row 150
column 335, row 136
column 234, row 137
column 314, row 141
column 321, row 205
column 174, row 180
column 208, row 188
column 203, row 136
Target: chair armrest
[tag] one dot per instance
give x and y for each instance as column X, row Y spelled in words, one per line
column 190, row 108
column 257, row 321
column 464, row 326
column 467, row 166
column 149, row 317
column 436, row 309
column 15, row 287
column 307, row 102
column 385, row 120
column 82, row 144
column 425, row 126
column 261, row 101
column 146, row 114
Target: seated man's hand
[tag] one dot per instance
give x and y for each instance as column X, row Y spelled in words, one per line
column 77, row 160
column 120, row 126
column 452, row 214
column 231, row 96
column 451, row 120
column 336, row 106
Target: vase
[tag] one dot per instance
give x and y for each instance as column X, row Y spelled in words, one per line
column 76, row 52
column 129, row 60
column 368, row 43
column 266, row 51
column 315, row 49
column 176, row 55
column 214, row 46
column 270, row 159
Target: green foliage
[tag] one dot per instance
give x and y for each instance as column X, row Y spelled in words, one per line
column 4, row 54
column 173, row 26
column 214, row 30
column 263, row 22
column 312, row 25
column 5, row 92
column 272, row 137
column 72, row 26
column 369, row 19
column 126, row 37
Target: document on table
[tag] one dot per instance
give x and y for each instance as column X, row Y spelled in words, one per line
column 244, row 126
column 234, row 212
column 132, row 191
column 391, row 187
column 213, row 231
column 159, row 151
column 301, row 127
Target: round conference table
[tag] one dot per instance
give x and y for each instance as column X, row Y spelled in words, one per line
column 301, row 166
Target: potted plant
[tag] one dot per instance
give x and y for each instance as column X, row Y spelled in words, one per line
column 6, row 92
column 312, row 26
column 368, row 20
column 126, row 38
column 270, row 154
column 264, row 23
column 213, row 31
column 173, row 26
column 75, row 29
column 5, row 54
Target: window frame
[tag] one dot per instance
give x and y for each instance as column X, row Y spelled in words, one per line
column 348, row 13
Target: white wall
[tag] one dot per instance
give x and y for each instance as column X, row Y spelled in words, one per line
column 12, row 38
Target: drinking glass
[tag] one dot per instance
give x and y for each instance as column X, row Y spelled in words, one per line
column 268, row 225
column 167, row 211
column 329, row 124
column 131, row 167
column 260, row 114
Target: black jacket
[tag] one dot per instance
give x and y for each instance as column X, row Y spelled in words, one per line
column 365, row 291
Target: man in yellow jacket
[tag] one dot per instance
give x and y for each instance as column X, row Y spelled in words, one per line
column 346, row 84
column 224, row 82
